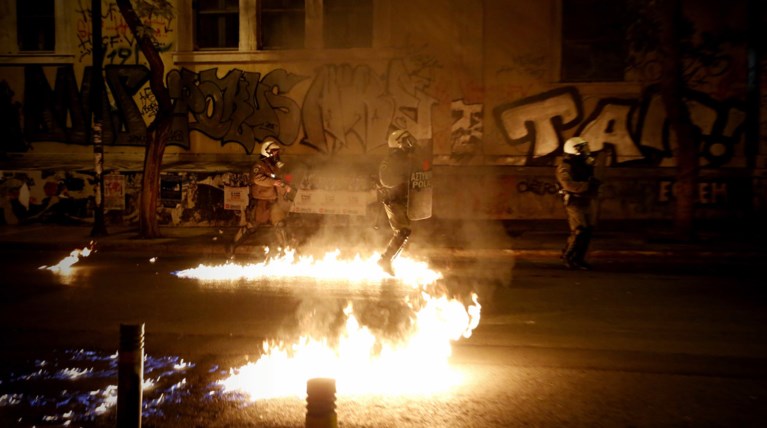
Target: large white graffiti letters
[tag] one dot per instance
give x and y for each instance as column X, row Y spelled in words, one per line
column 539, row 120
column 609, row 123
column 466, row 130
column 719, row 123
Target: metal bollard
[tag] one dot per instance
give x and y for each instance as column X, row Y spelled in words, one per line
column 130, row 375
column 321, row 403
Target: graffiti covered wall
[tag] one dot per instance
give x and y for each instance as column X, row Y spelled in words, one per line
column 487, row 101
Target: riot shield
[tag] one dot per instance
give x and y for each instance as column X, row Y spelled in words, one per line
column 419, row 201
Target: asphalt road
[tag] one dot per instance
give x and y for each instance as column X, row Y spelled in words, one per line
column 628, row 344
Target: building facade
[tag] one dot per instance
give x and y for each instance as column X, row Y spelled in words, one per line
column 490, row 88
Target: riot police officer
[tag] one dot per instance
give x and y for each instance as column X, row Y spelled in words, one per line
column 265, row 188
column 394, row 178
column 575, row 173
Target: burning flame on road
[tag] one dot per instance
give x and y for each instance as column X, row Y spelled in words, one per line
column 329, row 268
column 363, row 359
column 64, row 267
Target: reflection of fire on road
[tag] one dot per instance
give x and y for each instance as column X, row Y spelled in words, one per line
column 363, row 359
column 64, row 267
column 83, row 387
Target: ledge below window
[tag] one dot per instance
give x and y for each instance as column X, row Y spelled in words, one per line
column 30, row 58
column 293, row 55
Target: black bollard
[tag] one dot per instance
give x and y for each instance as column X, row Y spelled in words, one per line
column 130, row 375
column 321, row 403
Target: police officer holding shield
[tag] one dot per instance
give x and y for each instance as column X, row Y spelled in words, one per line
column 394, row 179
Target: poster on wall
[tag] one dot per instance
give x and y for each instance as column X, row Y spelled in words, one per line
column 235, row 198
column 333, row 202
column 114, row 192
column 170, row 190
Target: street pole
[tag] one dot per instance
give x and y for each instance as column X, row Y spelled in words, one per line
column 130, row 375
column 97, row 87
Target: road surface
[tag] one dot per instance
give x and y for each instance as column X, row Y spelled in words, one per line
column 628, row 344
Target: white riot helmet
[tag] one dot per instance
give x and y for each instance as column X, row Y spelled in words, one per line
column 401, row 139
column 576, row 146
column 269, row 147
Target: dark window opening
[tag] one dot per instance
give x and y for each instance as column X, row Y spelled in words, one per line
column 36, row 25
column 282, row 24
column 594, row 47
column 217, row 24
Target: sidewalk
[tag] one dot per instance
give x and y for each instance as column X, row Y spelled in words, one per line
column 431, row 240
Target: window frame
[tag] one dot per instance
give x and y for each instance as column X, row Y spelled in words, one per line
column 221, row 13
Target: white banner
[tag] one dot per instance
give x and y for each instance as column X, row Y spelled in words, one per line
column 235, row 198
column 333, row 202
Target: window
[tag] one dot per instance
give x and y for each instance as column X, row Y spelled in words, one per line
column 348, row 23
column 36, row 26
column 593, row 40
column 217, row 24
column 282, row 24
column 250, row 25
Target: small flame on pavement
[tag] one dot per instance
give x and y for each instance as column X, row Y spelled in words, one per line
column 64, row 267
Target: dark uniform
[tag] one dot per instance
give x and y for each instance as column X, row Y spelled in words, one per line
column 575, row 174
column 394, row 177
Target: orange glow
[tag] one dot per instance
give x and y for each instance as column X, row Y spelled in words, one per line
column 362, row 360
column 328, row 268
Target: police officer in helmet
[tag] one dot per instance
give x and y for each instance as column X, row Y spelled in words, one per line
column 575, row 174
column 266, row 186
column 394, row 178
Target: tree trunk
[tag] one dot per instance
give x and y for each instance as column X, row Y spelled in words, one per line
column 150, row 183
column 672, row 93
column 157, row 134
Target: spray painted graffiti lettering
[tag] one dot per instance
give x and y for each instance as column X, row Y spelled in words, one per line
column 709, row 193
column 540, row 122
column 120, row 44
column 350, row 109
column 538, row 187
column 241, row 107
column 466, row 130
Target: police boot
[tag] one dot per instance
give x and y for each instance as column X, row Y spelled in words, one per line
column 280, row 236
column 242, row 232
column 568, row 253
column 395, row 246
column 575, row 250
column 583, row 239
